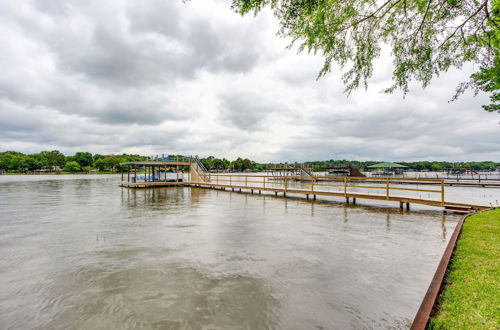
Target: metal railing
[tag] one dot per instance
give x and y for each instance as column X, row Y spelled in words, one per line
column 384, row 186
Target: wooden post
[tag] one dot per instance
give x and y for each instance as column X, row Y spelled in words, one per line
column 442, row 193
column 230, row 182
column 122, row 174
column 128, row 175
column 264, row 182
column 345, row 187
column 246, row 181
column 387, row 188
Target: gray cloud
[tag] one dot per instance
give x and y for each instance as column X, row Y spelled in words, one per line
column 117, row 64
column 247, row 111
column 166, row 76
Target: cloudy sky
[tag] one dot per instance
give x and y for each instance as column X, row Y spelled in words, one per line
column 163, row 76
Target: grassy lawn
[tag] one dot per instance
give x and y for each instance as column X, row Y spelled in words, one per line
column 471, row 296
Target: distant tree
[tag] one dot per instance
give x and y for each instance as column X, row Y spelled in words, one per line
column 72, row 167
column 426, row 37
column 38, row 161
column 207, row 162
column 100, row 164
column 86, row 169
column 112, row 162
column 84, row 158
column 436, row 166
column 12, row 160
column 53, row 158
column 95, row 158
column 241, row 164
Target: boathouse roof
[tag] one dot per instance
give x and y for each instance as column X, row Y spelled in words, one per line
column 387, row 165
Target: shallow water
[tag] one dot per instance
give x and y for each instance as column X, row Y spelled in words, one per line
column 80, row 252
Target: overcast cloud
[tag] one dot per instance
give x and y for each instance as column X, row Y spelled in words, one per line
column 154, row 77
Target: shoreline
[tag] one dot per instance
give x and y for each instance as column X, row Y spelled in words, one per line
column 463, row 277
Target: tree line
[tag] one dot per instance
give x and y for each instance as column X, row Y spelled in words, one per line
column 51, row 161
column 240, row 165
column 435, row 166
column 55, row 161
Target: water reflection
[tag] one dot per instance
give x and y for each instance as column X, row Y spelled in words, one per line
column 167, row 295
column 443, row 226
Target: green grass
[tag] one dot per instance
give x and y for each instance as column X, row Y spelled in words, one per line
column 471, row 295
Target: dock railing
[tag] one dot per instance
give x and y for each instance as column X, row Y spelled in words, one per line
column 339, row 186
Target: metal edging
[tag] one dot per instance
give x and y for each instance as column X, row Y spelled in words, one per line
column 426, row 307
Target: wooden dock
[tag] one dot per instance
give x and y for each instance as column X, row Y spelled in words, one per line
column 349, row 188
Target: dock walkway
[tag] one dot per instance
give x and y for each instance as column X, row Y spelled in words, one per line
column 349, row 188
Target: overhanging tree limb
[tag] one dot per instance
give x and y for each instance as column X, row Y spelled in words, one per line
column 423, row 35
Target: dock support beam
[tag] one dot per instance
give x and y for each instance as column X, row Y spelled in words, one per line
column 314, row 197
column 407, row 206
column 401, row 205
column 354, row 200
column 347, row 200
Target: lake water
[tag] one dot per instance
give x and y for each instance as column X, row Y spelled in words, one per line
column 80, row 252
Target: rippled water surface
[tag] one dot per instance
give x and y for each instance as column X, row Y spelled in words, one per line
column 80, row 252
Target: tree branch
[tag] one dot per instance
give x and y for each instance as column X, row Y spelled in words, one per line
column 375, row 12
column 389, row 9
column 463, row 23
column 423, row 20
column 488, row 15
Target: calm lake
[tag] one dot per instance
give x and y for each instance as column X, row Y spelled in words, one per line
column 80, row 252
